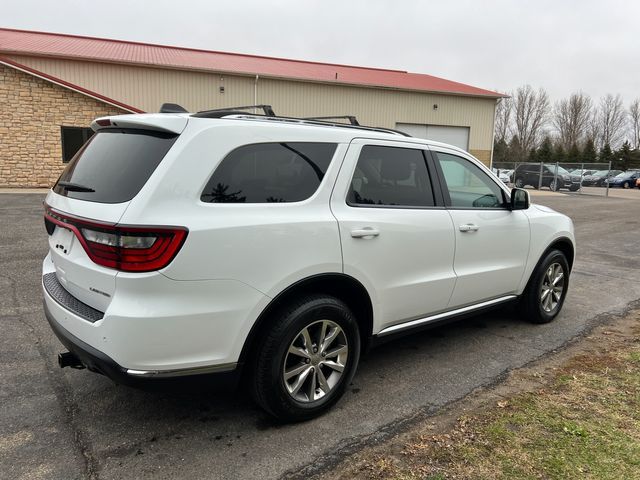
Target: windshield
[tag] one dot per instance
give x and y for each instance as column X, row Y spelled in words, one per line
column 601, row 173
column 114, row 165
column 623, row 174
column 561, row 170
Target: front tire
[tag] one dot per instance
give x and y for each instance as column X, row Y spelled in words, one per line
column 544, row 296
column 626, row 185
column 519, row 182
column 307, row 358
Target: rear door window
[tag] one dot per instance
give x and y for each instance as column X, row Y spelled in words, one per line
column 115, row 164
column 269, row 173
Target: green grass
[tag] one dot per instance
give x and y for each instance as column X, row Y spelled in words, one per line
column 584, row 425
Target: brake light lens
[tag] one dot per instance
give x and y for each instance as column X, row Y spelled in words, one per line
column 124, row 248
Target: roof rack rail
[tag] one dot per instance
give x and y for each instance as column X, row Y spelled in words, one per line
column 352, row 118
column 172, row 108
column 221, row 112
column 305, row 121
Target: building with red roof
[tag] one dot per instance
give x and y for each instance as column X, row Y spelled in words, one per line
column 53, row 85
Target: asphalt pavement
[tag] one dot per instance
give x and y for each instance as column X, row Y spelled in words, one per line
column 73, row 424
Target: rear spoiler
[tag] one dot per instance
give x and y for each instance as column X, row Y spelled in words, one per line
column 151, row 121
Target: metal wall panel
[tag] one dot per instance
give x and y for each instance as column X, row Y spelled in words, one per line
column 147, row 88
column 453, row 135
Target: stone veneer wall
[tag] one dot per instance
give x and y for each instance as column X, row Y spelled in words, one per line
column 483, row 155
column 32, row 111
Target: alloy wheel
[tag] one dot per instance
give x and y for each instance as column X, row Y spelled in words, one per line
column 315, row 361
column 552, row 287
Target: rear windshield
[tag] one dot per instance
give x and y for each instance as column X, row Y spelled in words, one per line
column 115, row 163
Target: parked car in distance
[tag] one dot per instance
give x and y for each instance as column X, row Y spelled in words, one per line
column 275, row 250
column 503, row 175
column 598, row 178
column 579, row 171
column 530, row 174
column 624, row 179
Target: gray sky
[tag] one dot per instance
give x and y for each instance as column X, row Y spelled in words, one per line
column 561, row 45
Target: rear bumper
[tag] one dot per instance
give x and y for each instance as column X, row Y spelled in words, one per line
column 155, row 326
column 219, row 377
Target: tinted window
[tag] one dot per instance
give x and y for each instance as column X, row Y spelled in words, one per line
column 72, row 140
column 116, row 163
column 468, row 185
column 269, row 172
column 391, row 176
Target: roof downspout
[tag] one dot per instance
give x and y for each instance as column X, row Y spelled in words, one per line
column 255, row 93
column 493, row 132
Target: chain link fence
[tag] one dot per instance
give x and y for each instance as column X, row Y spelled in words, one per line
column 574, row 178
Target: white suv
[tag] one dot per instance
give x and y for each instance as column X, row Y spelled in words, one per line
column 223, row 243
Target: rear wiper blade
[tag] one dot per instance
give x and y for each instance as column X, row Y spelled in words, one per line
column 75, row 187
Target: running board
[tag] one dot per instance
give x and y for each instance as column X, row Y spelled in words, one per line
column 440, row 316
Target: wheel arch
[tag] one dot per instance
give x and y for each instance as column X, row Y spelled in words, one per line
column 342, row 286
column 565, row 245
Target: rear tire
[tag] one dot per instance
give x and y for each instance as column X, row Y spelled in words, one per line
column 285, row 349
column 544, row 296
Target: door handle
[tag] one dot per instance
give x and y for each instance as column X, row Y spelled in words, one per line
column 366, row 232
column 469, row 227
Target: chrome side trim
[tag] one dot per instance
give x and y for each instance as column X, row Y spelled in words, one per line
column 224, row 367
column 440, row 316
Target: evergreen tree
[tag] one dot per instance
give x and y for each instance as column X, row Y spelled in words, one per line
column 634, row 161
column 515, row 149
column 605, row 155
column 622, row 158
column 559, row 155
column 545, row 151
column 501, row 153
column 573, row 155
column 589, row 154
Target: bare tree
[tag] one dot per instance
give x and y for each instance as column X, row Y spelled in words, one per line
column 531, row 111
column 634, row 115
column 612, row 119
column 593, row 127
column 504, row 109
column 571, row 117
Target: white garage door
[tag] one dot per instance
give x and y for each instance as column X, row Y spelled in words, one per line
column 457, row 136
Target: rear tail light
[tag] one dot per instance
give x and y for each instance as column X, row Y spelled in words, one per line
column 125, row 248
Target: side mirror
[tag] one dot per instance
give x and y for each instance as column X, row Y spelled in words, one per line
column 519, row 199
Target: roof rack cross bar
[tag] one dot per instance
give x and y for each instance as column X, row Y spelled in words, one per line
column 352, row 118
column 267, row 109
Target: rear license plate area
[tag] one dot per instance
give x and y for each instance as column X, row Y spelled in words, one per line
column 62, row 240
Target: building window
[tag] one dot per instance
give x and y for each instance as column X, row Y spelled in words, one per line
column 72, row 139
